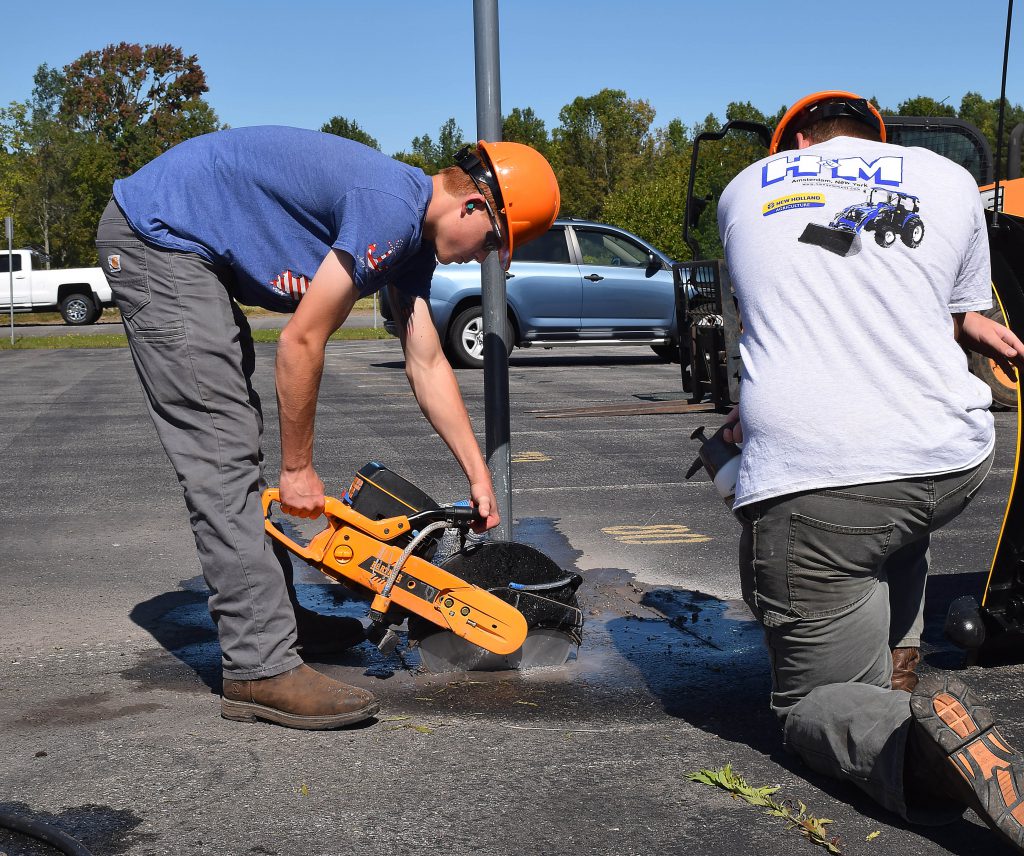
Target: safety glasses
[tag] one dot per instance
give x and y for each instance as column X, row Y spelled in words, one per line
column 471, row 164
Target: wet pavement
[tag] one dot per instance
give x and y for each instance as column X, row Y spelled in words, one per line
column 109, row 667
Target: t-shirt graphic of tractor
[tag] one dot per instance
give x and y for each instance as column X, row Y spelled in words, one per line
column 890, row 214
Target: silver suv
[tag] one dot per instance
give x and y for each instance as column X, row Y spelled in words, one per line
column 582, row 283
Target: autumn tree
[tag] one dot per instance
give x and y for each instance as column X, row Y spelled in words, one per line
column 349, row 129
column 140, row 99
column 100, row 117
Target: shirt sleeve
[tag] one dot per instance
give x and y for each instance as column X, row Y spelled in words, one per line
column 380, row 231
column 973, row 287
column 414, row 277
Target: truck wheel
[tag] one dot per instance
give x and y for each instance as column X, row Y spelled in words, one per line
column 912, row 232
column 884, row 235
column 77, row 309
column 1004, row 387
column 466, row 338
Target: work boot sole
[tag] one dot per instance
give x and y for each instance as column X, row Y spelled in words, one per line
column 964, row 729
column 244, row 711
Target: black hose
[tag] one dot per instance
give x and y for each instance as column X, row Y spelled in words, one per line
column 44, row 832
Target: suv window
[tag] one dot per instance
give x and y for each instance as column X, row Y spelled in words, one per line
column 549, row 247
column 602, row 248
column 5, row 267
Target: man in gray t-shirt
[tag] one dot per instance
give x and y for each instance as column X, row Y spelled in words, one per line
column 858, row 268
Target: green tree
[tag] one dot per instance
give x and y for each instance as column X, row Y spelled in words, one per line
column 674, row 138
column 55, row 183
column 349, row 129
column 922, row 105
column 432, row 157
column 984, row 115
column 140, row 99
column 653, row 206
column 603, row 142
column 522, row 125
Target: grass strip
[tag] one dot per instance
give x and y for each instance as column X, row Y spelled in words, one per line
column 118, row 340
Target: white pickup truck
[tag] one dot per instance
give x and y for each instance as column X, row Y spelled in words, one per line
column 79, row 293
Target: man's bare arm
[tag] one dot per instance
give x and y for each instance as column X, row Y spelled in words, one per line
column 437, row 392
column 990, row 339
column 298, row 369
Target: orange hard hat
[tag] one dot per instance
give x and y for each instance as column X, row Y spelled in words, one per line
column 830, row 104
column 524, row 188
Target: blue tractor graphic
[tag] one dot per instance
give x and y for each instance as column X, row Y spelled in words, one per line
column 890, row 214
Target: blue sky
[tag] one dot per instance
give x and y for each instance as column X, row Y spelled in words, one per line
column 401, row 68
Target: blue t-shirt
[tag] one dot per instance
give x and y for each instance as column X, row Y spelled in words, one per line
column 270, row 203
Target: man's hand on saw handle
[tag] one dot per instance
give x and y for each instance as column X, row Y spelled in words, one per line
column 486, row 505
column 302, row 493
column 733, row 430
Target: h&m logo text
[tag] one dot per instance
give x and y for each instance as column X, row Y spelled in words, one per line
column 887, row 171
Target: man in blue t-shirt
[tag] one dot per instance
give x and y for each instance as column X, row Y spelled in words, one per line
column 302, row 222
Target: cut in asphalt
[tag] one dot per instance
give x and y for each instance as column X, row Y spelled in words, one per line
column 109, row 666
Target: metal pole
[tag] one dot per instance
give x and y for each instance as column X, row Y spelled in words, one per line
column 1002, row 113
column 497, row 422
column 9, row 229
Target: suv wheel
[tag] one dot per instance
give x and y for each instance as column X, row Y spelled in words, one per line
column 77, row 309
column 466, row 338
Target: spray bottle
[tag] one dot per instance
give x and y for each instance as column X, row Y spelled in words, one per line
column 721, row 459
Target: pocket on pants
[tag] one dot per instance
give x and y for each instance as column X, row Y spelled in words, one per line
column 125, row 266
column 831, row 567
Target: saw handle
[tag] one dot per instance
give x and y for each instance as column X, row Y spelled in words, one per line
column 459, row 515
column 272, row 495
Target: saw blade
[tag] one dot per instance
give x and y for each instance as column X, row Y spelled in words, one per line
column 445, row 652
column 544, row 646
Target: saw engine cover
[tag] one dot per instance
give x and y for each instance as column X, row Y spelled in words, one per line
column 528, row 580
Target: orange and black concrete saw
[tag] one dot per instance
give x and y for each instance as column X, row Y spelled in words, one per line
column 382, row 535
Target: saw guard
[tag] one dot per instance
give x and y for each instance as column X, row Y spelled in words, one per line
column 354, row 548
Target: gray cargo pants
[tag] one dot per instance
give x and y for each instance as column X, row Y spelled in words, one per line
column 814, row 571
column 193, row 352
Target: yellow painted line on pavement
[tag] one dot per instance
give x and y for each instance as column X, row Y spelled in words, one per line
column 529, row 457
column 669, row 533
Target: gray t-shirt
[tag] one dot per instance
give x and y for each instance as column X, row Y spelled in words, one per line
column 847, row 259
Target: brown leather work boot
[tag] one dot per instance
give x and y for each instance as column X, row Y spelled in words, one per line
column 904, row 661
column 326, row 634
column 298, row 698
column 956, row 754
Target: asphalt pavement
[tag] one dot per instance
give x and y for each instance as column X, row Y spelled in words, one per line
column 109, row 667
